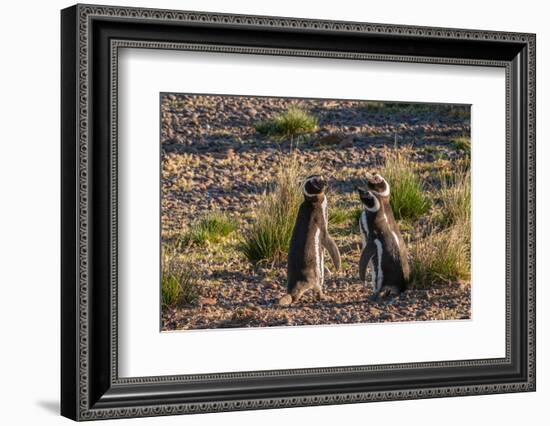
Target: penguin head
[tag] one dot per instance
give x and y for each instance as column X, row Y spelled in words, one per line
column 314, row 185
column 377, row 184
column 369, row 199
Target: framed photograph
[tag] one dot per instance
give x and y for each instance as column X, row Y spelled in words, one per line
column 263, row 212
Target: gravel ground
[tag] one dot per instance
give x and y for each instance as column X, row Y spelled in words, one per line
column 254, row 304
column 213, row 159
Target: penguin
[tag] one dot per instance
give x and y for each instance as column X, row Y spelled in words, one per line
column 383, row 247
column 305, row 267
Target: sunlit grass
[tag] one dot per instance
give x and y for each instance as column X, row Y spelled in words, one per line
column 179, row 284
column 293, row 122
column 462, row 144
column 455, row 195
column 408, row 199
column 269, row 236
column 441, row 257
column 210, row 229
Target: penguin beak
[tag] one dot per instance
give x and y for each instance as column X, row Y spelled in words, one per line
column 321, row 186
column 320, row 182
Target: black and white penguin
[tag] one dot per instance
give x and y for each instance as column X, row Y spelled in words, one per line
column 384, row 249
column 309, row 238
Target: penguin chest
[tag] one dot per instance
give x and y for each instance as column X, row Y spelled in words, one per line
column 377, row 271
column 319, row 257
column 364, row 228
column 324, row 209
column 376, row 263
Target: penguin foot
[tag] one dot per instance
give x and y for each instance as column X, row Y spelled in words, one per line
column 389, row 292
column 394, row 292
column 285, row 300
column 373, row 298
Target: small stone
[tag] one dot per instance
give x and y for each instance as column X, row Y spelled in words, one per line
column 347, row 142
column 251, row 112
column 421, row 313
column 374, row 311
column 331, row 139
column 210, row 301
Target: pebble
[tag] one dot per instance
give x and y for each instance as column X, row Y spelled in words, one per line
column 203, row 301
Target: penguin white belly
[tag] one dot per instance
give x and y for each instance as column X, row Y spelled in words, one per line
column 318, row 256
column 324, row 206
column 378, row 275
column 322, row 280
column 364, row 228
column 370, row 266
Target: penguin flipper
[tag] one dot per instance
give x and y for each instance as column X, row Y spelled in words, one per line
column 333, row 251
column 366, row 255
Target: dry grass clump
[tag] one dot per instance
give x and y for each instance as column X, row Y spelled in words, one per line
column 463, row 144
column 339, row 215
column 210, row 229
column 179, row 285
column 408, row 197
column 441, row 257
column 456, row 198
column 269, row 236
column 293, row 122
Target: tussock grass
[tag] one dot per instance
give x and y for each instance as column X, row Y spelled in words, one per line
column 408, row 198
column 210, row 229
column 293, row 122
column 179, row 284
column 455, row 195
column 170, row 290
column 443, row 254
column 342, row 221
column 441, row 257
column 338, row 215
column 269, row 236
column 459, row 111
column 462, row 144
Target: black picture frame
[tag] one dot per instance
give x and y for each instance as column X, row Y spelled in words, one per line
column 90, row 386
